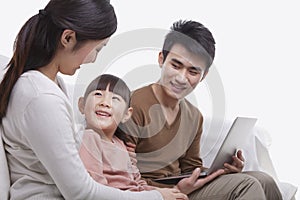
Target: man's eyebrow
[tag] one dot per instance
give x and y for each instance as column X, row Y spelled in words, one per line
column 176, row 61
column 196, row 68
column 192, row 67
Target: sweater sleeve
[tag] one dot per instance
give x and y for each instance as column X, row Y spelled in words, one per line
column 48, row 124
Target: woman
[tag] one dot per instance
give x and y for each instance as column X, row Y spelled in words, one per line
column 35, row 112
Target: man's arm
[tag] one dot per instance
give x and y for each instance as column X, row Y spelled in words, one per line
column 131, row 151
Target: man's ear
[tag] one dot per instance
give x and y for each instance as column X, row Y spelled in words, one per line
column 81, row 105
column 127, row 115
column 68, row 38
column 204, row 75
column 160, row 59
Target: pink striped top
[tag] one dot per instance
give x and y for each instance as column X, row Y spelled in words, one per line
column 109, row 163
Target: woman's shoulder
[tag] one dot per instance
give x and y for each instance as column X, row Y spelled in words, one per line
column 34, row 86
column 33, row 83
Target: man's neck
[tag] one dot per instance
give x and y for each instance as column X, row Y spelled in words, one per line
column 164, row 99
column 170, row 106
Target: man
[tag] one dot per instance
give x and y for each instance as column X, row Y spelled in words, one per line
column 166, row 128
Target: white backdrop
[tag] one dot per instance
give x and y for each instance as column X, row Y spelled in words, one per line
column 257, row 54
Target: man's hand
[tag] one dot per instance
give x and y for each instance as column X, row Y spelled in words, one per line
column 131, row 150
column 237, row 164
column 188, row 185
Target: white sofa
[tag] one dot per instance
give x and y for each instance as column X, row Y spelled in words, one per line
column 4, row 173
column 257, row 154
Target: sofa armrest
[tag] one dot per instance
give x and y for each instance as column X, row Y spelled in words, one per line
column 4, row 173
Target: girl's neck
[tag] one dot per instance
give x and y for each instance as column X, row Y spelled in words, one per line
column 105, row 135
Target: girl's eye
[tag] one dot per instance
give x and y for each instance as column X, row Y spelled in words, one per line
column 116, row 98
column 98, row 94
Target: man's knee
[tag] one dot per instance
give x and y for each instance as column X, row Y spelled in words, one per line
column 268, row 184
column 231, row 186
column 242, row 178
column 264, row 178
column 244, row 186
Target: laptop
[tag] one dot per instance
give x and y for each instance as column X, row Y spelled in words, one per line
column 237, row 138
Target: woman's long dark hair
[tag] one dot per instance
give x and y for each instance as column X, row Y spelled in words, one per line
column 38, row 39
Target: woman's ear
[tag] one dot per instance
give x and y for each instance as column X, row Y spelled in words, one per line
column 81, row 105
column 160, row 59
column 127, row 115
column 68, row 38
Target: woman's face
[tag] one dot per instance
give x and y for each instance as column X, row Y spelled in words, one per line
column 70, row 60
column 93, row 53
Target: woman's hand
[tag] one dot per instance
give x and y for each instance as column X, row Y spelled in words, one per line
column 237, row 164
column 188, row 185
column 172, row 194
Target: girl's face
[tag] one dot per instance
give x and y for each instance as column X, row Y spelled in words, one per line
column 104, row 110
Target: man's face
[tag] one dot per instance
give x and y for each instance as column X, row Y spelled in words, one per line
column 181, row 72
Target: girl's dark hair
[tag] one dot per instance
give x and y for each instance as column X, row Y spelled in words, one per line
column 38, row 39
column 117, row 86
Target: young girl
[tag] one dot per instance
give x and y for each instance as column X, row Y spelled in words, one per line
column 106, row 104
